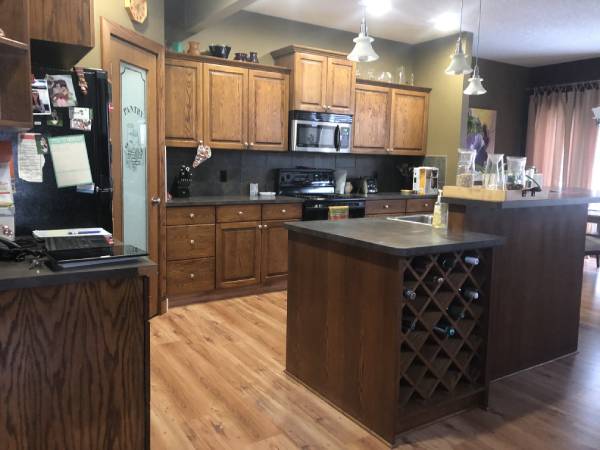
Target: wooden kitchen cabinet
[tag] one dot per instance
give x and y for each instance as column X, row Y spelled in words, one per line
column 238, row 254
column 225, row 109
column 322, row 80
column 62, row 31
column 372, row 117
column 390, row 120
column 268, row 97
column 274, row 250
column 183, row 103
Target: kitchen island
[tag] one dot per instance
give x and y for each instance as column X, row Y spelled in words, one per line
column 537, row 275
column 75, row 364
column 383, row 322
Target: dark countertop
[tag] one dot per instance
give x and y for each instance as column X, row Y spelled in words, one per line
column 397, row 196
column 555, row 198
column 210, row 200
column 15, row 275
column 395, row 238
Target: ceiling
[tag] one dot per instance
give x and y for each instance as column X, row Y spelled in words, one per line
column 525, row 32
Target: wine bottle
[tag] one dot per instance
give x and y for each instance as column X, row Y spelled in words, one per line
column 435, row 280
column 444, row 329
column 409, row 294
column 447, row 262
column 409, row 323
column 472, row 260
column 456, row 312
column 469, row 294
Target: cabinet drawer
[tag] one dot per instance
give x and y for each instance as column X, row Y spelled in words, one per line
column 190, row 276
column 282, row 211
column 193, row 215
column 386, row 206
column 238, row 213
column 190, row 241
column 420, row 205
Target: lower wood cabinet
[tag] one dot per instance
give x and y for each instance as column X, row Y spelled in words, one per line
column 238, row 254
column 274, row 250
column 189, row 277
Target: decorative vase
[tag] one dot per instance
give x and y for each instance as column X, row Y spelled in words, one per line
column 193, row 48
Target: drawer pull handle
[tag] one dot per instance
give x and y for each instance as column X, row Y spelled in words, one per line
column 283, row 211
column 386, row 206
column 426, row 205
column 241, row 213
column 192, row 242
column 192, row 215
column 192, row 276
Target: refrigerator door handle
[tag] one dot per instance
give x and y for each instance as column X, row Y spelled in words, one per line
column 155, row 200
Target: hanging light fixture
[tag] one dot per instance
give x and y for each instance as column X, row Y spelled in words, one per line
column 458, row 61
column 363, row 51
column 475, row 86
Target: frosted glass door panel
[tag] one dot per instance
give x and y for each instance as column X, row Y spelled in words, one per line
column 133, row 155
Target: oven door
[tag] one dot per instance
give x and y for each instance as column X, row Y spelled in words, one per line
column 326, row 137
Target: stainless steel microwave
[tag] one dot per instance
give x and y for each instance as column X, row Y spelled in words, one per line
column 320, row 132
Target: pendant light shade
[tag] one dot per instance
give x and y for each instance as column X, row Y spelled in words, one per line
column 475, row 87
column 363, row 51
column 459, row 65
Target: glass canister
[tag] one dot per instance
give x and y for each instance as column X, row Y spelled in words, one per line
column 515, row 173
column 465, row 173
column 493, row 177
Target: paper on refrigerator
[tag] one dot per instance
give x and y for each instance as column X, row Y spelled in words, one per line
column 70, row 160
column 30, row 161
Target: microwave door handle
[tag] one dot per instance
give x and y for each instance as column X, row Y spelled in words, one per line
column 337, row 140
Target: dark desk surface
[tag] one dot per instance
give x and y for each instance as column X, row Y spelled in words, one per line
column 393, row 237
column 18, row 275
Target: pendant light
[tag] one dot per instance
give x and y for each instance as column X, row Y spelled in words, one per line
column 363, row 51
column 458, row 61
column 475, row 86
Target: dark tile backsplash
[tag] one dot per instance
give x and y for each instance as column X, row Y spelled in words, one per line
column 245, row 167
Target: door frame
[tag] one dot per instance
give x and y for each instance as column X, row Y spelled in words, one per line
column 108, row 30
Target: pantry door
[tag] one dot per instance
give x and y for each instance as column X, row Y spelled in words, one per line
column 135, row 66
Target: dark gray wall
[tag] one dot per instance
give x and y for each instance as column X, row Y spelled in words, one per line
column 571, row 72
column 507, row 93
column 244, row 167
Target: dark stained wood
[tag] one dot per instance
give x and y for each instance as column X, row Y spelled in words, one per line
column 537, row 280
column 190, row 242
column 238, row 213
column 418, row 205
column 238, row 254
column 274, row 244
column 191, row 215
column 385, row 207
column 282, row 211
column 74, row 370
column 190, row 276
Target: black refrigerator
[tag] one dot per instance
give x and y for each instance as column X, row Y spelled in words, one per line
column 40, row 206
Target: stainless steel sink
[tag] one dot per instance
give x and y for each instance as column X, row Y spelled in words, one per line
column 423, row 219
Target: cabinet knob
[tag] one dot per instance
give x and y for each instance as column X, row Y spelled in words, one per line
column 251, row 144
column 283, row 211
column 240, row 213
column 426, row 205
column 192, row 276
column 246, row 144
column 200, row 142
column 260, row 227
column 265, row 226
column 192, row 215
column 192, row 242
column 386, row 206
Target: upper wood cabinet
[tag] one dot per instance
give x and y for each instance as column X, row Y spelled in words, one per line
column 268, row 94
column 62, row 31
column 390, row 120
column 183, row 103
column 322, row 80
column 225, row 104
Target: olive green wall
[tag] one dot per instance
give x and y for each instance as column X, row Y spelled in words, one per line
column 245, row 32
column 114, row 10
column 447, row 104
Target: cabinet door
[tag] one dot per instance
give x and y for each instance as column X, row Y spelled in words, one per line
column 268, row 94
column 238, row 254
column 372, row 119
column 341, row 81
column 409, row 122
column 225, row 104
column 63, row 21
column 310, row 82
column 274, row 250
column 183, row 103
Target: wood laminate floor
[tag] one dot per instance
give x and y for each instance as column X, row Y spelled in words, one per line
column 218, row 383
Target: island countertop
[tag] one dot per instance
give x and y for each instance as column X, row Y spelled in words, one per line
column 556, row 197
column 393, row 237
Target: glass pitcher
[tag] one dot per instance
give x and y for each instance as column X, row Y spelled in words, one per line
column 465, row 173
column 493, row 177
column 515, row 172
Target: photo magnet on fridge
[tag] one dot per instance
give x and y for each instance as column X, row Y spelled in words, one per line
column 62, row 92
column 81, row 118
column 40, row 98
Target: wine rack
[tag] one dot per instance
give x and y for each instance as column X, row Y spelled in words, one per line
column 441, row 360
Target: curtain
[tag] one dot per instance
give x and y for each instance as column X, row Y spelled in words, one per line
column 561, row 135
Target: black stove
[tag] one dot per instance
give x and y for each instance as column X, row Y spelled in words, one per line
column 317, row 188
